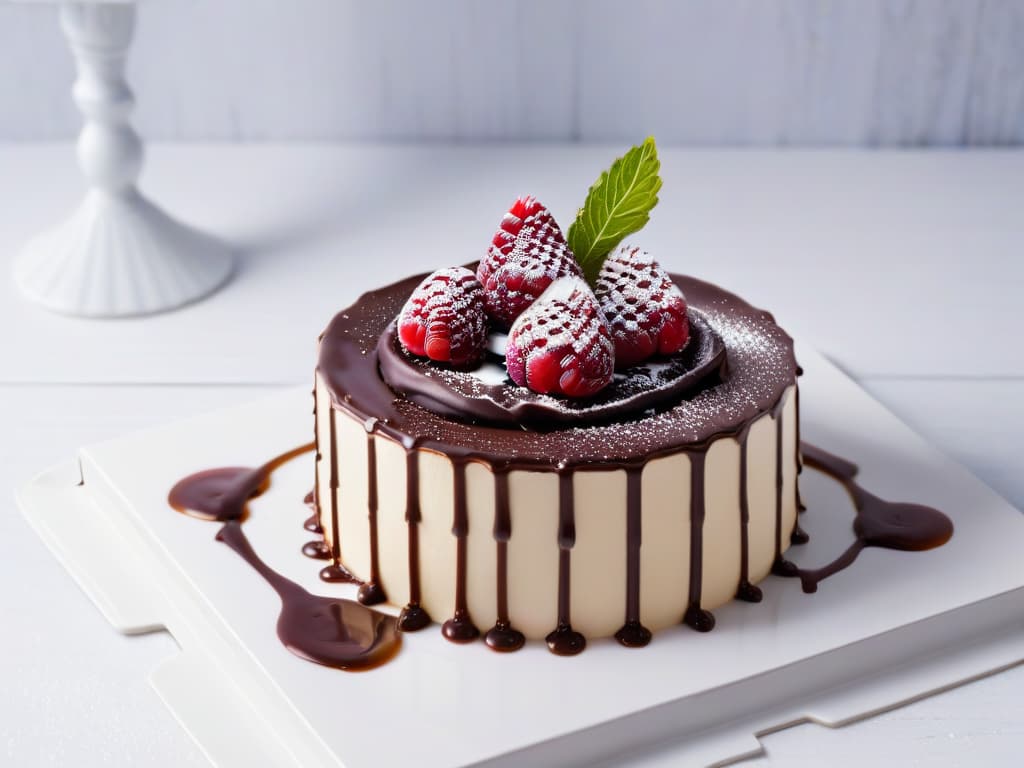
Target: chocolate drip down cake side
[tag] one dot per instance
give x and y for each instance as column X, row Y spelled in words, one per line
column 559, row 442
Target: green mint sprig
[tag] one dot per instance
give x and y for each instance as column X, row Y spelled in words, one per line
column 618, row 204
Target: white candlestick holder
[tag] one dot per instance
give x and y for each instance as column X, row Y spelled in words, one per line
column 118, row 254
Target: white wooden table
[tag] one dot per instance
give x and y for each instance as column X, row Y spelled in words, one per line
column 905, row 268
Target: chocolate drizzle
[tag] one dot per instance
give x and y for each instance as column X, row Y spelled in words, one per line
column 502, row 636
column 317, row 550
column 798, row 535
column 223, row 494
column 460, row 628
column 695, row 616
column 747, row 592
column 312, row 499
column 413, row 616
column 633, row 634
column 780, row 566
column 326, row 630
column 371, row 592
column 564, row 640
column 335, row 573
column 330, row 631
column 878, row 523
column 312, row 523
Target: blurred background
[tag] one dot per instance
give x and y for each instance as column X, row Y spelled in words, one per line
column 704, row 72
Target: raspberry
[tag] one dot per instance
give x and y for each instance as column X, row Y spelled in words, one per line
column 444, row 318
column 528, row 252
column 560, row 344
column 646, row 311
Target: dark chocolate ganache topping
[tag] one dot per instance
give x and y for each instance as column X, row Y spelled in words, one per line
column 759, row 366
column 487, row 395
column 331, row 631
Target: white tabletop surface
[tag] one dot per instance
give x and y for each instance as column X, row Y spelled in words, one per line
column 904, row 268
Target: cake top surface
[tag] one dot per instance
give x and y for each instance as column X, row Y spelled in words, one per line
column 760, row 365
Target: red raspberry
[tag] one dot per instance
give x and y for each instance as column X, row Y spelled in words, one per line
column 646, row 311
column 560, row 344
column 528, row 252
column 444, row 319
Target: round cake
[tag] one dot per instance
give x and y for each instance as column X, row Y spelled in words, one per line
column 497, row 511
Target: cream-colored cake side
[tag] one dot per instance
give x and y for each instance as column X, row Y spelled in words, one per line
column 393, row 530
column 665, row 541
column 598, row 560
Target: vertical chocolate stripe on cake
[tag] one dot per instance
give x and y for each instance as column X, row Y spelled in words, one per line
column 780, row 565
column 371, row 592
column 314, row 495
column 332, row 483
column 335, row 572
column 696, row 616
column 799, row 535
column 745, row 591
column 413, row 616
column 633, row 634
column 318, row 549
column 502, row 636
column 564, row 640
column 460, row 628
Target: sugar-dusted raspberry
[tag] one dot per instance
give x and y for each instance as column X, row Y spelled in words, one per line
column 560, row 344
column 646, row 311
column 528, row 252
column 444, row 318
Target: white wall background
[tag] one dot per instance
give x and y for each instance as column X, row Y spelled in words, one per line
column 767, row 72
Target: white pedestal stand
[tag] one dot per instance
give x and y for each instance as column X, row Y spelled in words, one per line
column 118, row 254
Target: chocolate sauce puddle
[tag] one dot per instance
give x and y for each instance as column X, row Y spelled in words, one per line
column 878, row 523
column 223, row 494
column 331, row 631
column 334, row 632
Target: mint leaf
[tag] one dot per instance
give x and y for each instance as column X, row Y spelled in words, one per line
column 618, row 204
